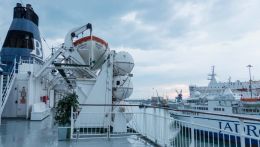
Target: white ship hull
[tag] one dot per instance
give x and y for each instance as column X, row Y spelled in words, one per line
column 219, row 125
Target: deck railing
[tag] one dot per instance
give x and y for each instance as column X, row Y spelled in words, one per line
column 156, row 125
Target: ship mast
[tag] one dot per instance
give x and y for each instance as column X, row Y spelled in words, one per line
column 212, row 77
column 250, row 80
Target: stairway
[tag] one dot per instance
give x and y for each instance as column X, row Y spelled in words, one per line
column 8, row 81
column 5, row 80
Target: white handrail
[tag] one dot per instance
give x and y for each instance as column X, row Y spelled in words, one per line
column 8, row 84
column 164, row 130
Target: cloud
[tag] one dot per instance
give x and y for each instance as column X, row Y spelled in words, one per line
column 190, row 10
column 134, row 18
column 174, row 43
column 130, row 17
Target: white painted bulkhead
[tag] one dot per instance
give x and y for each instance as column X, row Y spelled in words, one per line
column 21, row 99
column 98, row 93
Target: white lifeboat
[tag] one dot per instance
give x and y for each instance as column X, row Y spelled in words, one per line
column 93, row 50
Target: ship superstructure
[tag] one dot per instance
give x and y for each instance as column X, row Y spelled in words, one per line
column 23, row 38
column 21, row 56
column 241, row 89
column 83, row 64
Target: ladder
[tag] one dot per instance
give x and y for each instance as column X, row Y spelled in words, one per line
column 8, row 81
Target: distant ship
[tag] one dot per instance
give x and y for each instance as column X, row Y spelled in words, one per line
column 239, row 99
column 244, row 90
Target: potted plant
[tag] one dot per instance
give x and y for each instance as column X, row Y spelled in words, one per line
column 63, row 114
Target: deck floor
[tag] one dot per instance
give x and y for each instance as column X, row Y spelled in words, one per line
column 25, row 133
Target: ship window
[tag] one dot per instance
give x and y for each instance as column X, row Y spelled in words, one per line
column 19, row 39
column 217, row 109
column 117, row 82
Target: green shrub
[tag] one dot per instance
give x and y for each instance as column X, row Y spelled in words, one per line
column 63, row 109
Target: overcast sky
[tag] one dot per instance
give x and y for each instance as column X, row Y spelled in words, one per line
column 174, row 42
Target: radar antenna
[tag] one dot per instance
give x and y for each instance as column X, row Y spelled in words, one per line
column 179, row 95
column 157, row 93
column 212, row 75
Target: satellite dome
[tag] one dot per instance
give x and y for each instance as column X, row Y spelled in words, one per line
column 228, row 94
column 123, row 63
column 122, row 87
column 197, row 93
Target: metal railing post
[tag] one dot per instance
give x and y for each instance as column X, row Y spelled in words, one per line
column 145, row 122
column 71, row 123
column 192, row 144
column 108, row 126
column 164, row 128
column 242, row 133
column 155, row 125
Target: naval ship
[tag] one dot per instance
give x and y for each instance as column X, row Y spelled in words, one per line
column 245, row 89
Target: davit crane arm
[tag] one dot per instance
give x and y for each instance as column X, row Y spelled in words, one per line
column 68, row 43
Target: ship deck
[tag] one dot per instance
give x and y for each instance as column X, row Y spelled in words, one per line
column 25, row 133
